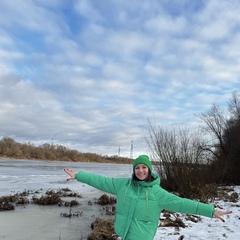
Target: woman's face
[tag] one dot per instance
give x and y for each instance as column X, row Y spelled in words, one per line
column 141, row 171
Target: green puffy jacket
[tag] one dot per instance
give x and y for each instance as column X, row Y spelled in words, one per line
column 139, row 206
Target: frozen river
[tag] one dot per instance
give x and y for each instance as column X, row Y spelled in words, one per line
column 33, row 222
column 44, row 222
column 18, row 175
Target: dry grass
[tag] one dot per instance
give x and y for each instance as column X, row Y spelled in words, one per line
column 102, row 230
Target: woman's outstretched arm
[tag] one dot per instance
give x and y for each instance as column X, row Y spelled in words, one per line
column 106, row 184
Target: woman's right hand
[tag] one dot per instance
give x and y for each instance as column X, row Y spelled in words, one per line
column 70, row 173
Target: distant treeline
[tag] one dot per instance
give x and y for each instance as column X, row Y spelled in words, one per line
column 9, row 148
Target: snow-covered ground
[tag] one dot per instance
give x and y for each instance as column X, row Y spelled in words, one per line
column 44, row 222
column 207, row 228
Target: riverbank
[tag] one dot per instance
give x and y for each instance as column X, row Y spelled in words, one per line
column 50, row 152
column 45, row 222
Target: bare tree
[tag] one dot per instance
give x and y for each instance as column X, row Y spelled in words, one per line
column 179, row 157
column 234, row 105
column 224, row 128
column 215, row 124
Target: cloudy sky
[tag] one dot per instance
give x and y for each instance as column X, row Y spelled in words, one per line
column 88, row 74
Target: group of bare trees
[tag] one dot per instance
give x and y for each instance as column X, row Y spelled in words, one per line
column 191, row 159
column 11, row 149
column 224, row 126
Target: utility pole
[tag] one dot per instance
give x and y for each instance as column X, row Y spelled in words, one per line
column 119, row 151
column 131, row 152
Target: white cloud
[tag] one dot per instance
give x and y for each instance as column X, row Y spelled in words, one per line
column 166, row 25
column 86, row 9
column 89, row 75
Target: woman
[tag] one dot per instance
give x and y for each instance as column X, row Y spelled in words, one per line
column 140, row 200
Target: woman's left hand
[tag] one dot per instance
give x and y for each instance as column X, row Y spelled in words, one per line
column 218, row 214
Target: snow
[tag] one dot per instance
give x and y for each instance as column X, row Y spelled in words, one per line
column 20, row 175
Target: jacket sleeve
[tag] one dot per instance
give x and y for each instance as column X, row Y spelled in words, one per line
column 174, row 203
column 106, row 184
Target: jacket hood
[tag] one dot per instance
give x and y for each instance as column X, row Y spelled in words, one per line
column 156, row 181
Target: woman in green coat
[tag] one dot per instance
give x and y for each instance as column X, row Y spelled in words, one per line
column 140, row 200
